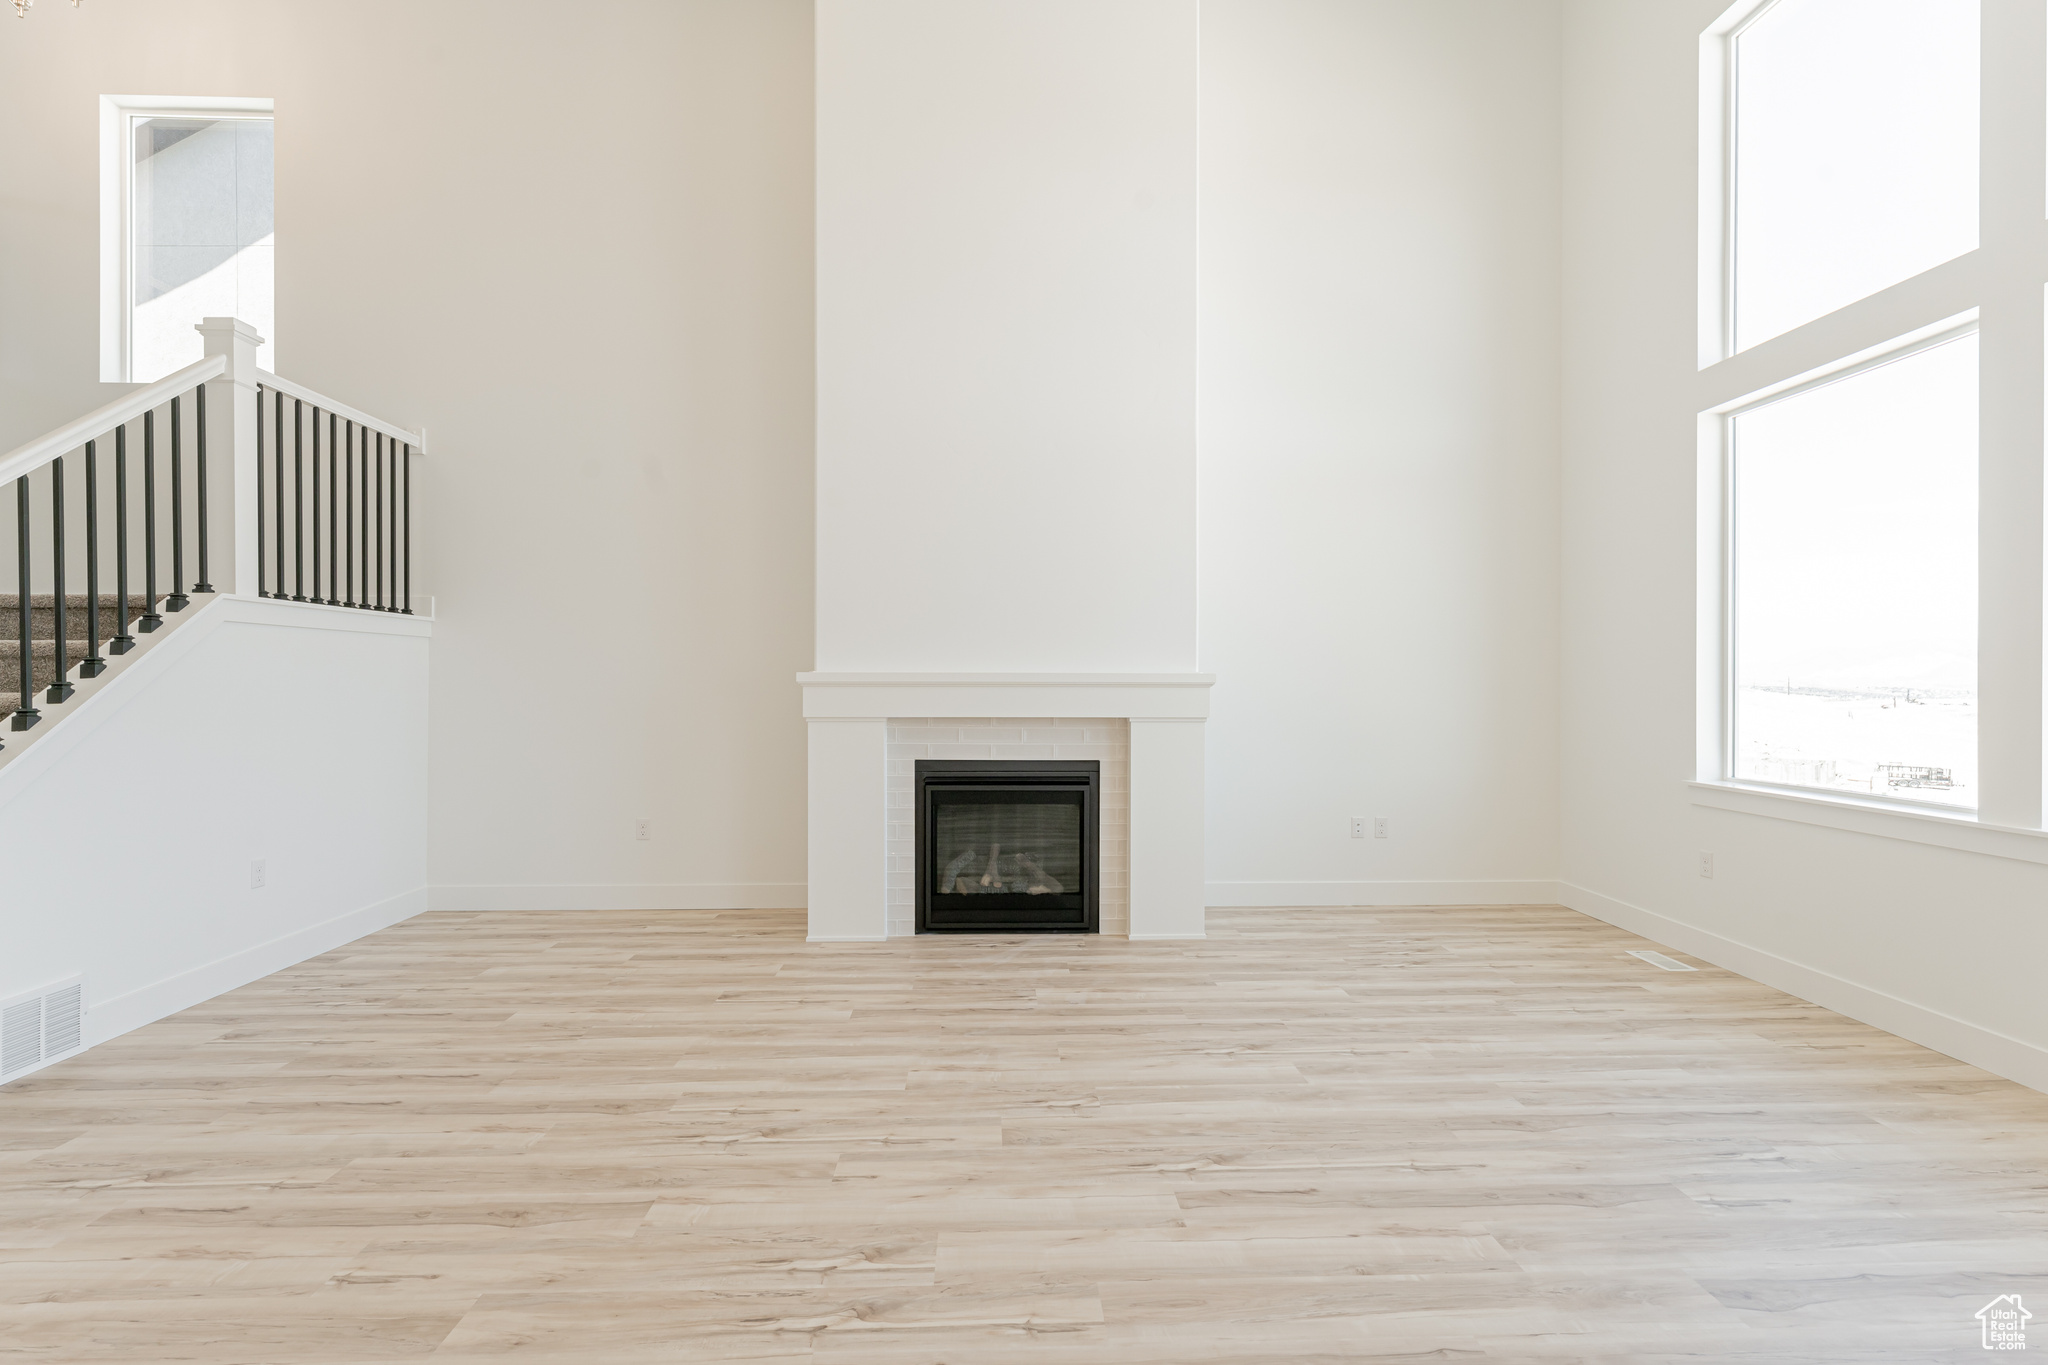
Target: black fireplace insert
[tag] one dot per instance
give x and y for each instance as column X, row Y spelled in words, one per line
column 1007, row 847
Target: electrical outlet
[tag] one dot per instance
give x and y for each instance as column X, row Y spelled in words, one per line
column 1358, row 826
column 256, row 875
column 1379, row 827
column 1706, row 865
column 643, row 829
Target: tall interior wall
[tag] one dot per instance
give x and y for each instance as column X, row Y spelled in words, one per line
column 1936, row 944
column 602, row 314
column 576, row 247
column 1379, row 459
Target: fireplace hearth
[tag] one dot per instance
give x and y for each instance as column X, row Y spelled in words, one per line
column 1008, row 847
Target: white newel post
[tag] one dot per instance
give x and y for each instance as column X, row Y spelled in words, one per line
column 231, row 419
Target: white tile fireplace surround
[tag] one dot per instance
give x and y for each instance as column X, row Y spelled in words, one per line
column 868, row 729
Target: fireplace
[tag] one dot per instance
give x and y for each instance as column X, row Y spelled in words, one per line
column 1008, row 847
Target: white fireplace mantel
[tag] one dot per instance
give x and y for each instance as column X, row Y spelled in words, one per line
column 1150, row 696
column 848, row 716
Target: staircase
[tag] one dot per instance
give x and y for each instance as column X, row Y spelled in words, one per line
column 42, row 608
column 220, row 523
column 219, row 481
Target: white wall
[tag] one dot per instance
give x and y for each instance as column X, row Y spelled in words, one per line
column 602, row 314
column 574, row 245
column 1006, row 348
column 1379, row 477
column 1939, row 945
column 292, row 734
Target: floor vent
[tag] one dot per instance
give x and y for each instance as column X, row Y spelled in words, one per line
column 41, row 1026
column 1669, row 964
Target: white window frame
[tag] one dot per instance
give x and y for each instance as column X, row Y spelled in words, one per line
column 2001, row 291
column 118, row 115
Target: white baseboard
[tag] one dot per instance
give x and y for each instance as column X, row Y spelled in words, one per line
column 1274, row 895
column 1996, row 1052
column 113, row 1017
column 1160, row 938
column 851, row 938
column 624, row 896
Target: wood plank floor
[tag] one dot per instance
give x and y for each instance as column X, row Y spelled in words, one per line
column 1321, row 1135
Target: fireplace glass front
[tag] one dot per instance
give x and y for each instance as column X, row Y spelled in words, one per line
column 1006, row 847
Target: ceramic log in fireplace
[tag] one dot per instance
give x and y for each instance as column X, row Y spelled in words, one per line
column 1007, row 847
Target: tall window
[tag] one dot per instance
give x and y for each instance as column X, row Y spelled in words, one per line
column 193, row 234
column 1855, row 585
column 1848, row 542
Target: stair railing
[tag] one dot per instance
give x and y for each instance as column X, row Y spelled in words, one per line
column 368, row 501
column 223, row 503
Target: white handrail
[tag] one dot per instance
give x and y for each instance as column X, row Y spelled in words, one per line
column 416, row 440
column 25, row 459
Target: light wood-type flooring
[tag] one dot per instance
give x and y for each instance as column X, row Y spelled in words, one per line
column 1319, row 1136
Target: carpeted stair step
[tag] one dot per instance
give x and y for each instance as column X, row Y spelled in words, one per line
column 42, row 659
column 45, row 666
column 42, row 607
column 42, row 651
column 42, row 614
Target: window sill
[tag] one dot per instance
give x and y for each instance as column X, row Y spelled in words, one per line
column 1965, row 833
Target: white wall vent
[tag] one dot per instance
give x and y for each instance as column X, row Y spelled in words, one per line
column 1669, row 964
column 41, row 1026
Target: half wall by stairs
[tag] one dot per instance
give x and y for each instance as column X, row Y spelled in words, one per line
column 215, row 765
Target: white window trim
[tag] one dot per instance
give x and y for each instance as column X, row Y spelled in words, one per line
column 117, row 284
column 1717, row 178
column 2001, row 289
column 1887, row 820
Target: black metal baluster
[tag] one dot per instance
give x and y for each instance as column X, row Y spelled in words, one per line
column 177, row 600
column 280, row 496
column 391, row 553
column 299, row 499
column 25, row 713
column 150, row 619
column 205, row 583
column 92, row 665
column 316, row 503
column 380, row 522
column 408, row 528
column 349, row 484
column 60, row 686
column 333, row 512
column 261, row 590
column 122, row 641
column 391, row 603
column 364, row 594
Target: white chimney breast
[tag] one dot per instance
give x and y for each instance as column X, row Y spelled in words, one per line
column 1005, row 423
column 1006, row 335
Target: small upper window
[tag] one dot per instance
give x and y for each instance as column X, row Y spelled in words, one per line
column 1855, row 153
column 195, row 236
